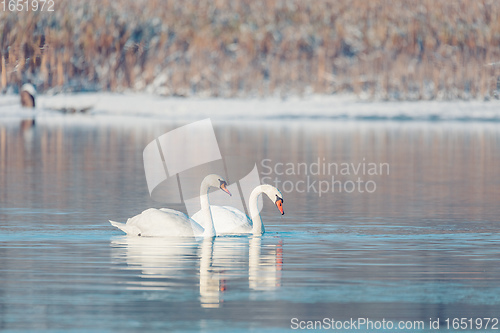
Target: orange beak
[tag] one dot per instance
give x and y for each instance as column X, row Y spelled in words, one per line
column 224, row 188
column 279, row 204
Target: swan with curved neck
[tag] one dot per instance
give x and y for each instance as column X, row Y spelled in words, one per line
column 230, row 221
column 166, row 222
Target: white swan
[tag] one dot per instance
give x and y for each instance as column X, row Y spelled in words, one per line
column 168, row 222
column 230, row 221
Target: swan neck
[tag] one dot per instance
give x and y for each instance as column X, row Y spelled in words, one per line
column 258, row 226
column 205, row 208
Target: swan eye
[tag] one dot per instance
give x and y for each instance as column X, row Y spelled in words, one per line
column 278, row 198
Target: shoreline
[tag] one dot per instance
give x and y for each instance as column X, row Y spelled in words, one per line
column 312, row 107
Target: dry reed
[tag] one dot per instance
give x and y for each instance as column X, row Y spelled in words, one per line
column 395, row 50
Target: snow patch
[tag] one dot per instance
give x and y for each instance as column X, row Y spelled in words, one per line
column 314, row 107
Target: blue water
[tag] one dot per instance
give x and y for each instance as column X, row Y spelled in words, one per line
column 422, row 246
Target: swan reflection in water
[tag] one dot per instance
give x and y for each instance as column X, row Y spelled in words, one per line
column 168, row 264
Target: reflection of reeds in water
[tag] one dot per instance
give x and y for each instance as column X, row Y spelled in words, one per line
column 376, row 49
column 435, row 169
column 435, row 164
column 41, row 162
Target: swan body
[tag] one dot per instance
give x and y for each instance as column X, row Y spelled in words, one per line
column 167, row 222
column 228, row 220
column 231, row 221
column 160, row 223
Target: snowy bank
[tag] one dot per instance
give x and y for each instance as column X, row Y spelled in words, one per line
column 143, row 106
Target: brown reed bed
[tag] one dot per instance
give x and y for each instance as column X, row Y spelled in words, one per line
column 394, row 50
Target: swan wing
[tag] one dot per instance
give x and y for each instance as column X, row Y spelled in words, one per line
column 227, row 220
column 164, row 223
column 174, row 212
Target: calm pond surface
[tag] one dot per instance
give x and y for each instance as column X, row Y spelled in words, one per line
column 422, row 245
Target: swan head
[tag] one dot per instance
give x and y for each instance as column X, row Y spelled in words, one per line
column 279, row 204
column 275, row 195
column 217, row 181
